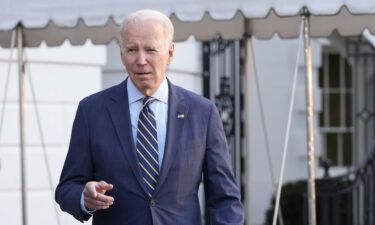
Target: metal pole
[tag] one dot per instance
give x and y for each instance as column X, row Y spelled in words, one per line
column 246, row 40
column 310, row 121
column 21, row 76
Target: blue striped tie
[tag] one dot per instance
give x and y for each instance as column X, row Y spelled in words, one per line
column 147, row 146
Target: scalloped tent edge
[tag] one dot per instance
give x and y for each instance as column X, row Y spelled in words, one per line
column 344, row 20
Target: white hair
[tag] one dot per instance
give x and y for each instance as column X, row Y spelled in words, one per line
column 149, row 14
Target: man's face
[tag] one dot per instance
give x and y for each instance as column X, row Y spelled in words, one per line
column 146, row 55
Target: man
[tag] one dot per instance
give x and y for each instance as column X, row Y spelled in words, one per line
column 138, row 150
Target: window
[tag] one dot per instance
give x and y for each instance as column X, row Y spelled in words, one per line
column 335, row 119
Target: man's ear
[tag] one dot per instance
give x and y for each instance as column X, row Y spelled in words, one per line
column 171, row 52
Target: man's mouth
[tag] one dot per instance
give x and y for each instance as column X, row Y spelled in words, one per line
column 143, row 73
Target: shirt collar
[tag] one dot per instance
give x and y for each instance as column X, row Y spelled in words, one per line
column 160, row 94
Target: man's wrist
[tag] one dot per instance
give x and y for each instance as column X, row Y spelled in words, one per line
column 83, row 207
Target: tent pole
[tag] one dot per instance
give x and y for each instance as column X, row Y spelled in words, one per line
column 247, row 80
column 310, row 120
column 21, row 77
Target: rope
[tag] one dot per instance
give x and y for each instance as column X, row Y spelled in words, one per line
column 12, row 45
column 45, row 156
column 286, row 140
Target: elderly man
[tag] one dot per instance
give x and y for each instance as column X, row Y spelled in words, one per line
column 138, row 150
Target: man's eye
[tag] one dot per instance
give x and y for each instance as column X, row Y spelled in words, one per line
column 151, row 50
column 131, row 50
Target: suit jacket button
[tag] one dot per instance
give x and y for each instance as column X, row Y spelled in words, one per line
column 152, row 203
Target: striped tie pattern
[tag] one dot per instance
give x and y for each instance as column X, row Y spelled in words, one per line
column 147, row 146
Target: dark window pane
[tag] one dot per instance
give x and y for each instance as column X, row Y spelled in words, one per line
column 331, row 147
column 348, row 110
column 334, row 110
column 321, row 114
column 321, row 119
column 347, row 148
column 348, row 75
column 334, row 70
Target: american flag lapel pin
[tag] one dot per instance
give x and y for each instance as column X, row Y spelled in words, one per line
column 180, row 116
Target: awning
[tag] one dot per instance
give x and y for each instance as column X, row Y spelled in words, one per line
column 98, row 20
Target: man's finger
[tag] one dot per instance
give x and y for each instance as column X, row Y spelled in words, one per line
column 93, row 206
column 104, row 198
column 96, row 204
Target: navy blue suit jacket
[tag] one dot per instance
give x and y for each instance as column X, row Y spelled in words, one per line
column 102, row 148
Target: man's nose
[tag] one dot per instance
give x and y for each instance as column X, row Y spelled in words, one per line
column 141, row 59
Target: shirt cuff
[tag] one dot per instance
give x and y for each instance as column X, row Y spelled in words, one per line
column 83, row 207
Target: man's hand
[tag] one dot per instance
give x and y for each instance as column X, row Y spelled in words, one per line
column 94, row 197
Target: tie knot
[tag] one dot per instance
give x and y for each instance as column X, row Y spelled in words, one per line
column 147, row 100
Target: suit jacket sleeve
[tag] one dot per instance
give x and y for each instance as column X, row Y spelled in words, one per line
column 222, row 194
column 77, row 168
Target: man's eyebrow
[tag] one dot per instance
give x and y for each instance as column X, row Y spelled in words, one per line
column 130, row 46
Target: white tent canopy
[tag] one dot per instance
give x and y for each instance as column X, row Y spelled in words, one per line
column 98, row 20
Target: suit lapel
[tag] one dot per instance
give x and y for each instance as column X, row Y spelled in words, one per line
column 177, row 112
column 119, row 111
